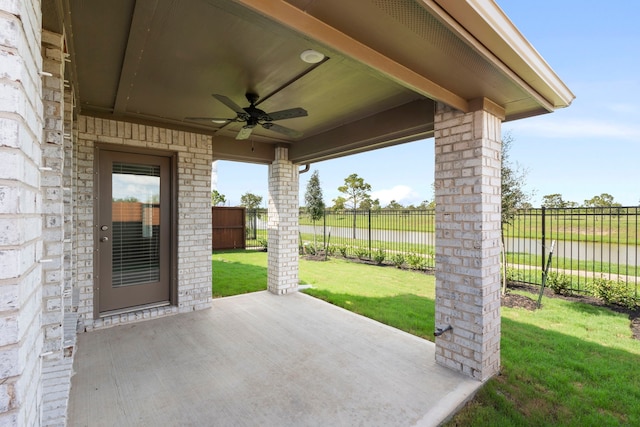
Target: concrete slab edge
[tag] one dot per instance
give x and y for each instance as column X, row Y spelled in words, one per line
column 452, row 403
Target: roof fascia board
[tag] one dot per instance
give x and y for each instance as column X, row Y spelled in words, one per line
column 303, row 23
column 488, row 29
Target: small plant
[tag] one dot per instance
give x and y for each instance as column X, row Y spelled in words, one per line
column 263, row 243
column 379, row 256
column 362, row 253
column 397, row 260
column 330, row 250
column 415, row 261
column 343, row 249
column 560, row 283
column 515, row 275
column 613, row 292
column 310, row 248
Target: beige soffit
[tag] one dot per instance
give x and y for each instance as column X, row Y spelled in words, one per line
column 487, row 29
column 298, row 20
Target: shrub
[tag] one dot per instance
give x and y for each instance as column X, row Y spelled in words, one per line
column 343, row 250
column 330, row 250
column 263, row 243
column 416, row 262
column 379, row 256
column 613, row 292
column 362, row 253
column 311, row 248
column 560, row 283
column 514, row 275
column 397, row 260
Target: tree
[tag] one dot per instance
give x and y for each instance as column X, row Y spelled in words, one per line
column 370, row 205
column 217, row 198
column 338, row 203
column 513, row 196
column 427, row 204
column 314, row 205
column 604, row 200
column 553, row 201
column 513, row 180
column 250, row 201
column 556, row 201
column 394, row 205
column 355, row 191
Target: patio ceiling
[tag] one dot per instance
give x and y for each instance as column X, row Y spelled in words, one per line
column 159, row 61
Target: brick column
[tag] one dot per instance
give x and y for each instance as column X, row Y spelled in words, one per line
column 53, row 192
column 468, row 201
column 283, row 225
column 21, row 124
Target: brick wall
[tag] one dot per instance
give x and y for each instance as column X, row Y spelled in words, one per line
column 468, row 201
column 21, row 217
column 283, row 209
column 194, row 213
column 52, row 191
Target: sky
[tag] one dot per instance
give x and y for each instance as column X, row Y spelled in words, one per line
column 591, row 147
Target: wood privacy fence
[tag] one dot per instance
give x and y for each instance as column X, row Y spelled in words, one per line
column 228, row 226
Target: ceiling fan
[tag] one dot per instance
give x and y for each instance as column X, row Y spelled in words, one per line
column 254, row 116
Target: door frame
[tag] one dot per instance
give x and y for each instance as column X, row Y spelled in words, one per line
column 173, row 211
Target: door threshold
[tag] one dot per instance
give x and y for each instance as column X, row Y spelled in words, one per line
column 133, row 309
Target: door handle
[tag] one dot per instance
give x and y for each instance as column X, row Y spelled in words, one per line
column 104, row 239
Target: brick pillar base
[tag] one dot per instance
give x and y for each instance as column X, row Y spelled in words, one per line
column 468, row 202
column 283, row 225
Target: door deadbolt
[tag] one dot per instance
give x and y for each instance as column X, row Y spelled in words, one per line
column 104, row 228
column 104, row 239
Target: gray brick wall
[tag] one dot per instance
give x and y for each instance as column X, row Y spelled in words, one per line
column 282, row 276
column 468, row 201
column 194, row 213
column 52, row 191
column 21, row 213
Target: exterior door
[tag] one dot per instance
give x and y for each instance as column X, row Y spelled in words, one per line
column 133, row 230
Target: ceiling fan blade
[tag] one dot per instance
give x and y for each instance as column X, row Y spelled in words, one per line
column 229, row 103
column 219, row 120
column 283, row 130
column 244, row 133
column 287, row 114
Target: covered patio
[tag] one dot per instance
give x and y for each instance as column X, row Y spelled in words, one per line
column 111, row 116
column 260, row 359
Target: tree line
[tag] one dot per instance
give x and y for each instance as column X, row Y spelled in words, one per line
column 356, row 194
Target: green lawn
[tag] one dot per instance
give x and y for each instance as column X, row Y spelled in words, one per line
column 568, row 364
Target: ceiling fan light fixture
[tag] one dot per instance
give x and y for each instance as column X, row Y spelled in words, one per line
column 311, row 56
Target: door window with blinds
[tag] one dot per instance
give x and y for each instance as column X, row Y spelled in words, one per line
column 135, row 245
column 136, row 220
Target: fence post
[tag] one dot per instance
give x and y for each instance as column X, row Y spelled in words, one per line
column 324, row 229
column 542, row 260
column 369, row 212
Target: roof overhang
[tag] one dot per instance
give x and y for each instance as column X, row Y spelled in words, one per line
column 388, row 63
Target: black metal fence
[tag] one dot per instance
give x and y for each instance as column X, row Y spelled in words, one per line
column 590, row 243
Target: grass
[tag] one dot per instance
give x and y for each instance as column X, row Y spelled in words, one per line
column 568, row 364
column 238, row 272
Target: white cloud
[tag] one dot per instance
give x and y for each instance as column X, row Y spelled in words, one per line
column 397, row 193
column 575, row 128
column 623, row 108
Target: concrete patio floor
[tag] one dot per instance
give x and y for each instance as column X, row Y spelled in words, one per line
column 261, row 360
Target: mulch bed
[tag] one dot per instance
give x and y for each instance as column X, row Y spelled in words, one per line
column 521, row 301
